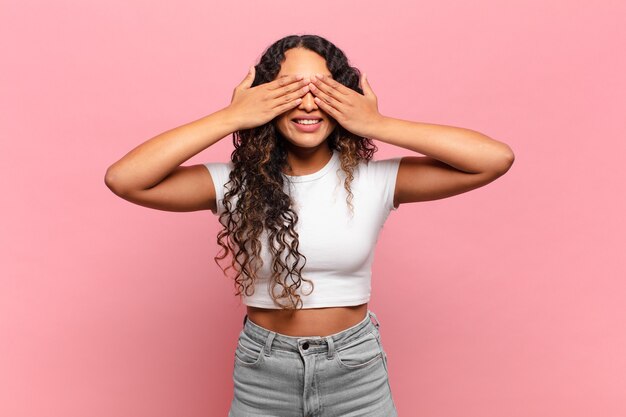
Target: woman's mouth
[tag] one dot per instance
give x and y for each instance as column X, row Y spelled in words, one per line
column 307, row 125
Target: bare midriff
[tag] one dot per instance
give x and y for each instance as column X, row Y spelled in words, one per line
column 308, row 322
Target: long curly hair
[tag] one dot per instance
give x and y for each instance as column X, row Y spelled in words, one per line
column 256, row 184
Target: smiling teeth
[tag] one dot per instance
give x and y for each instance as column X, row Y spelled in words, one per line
column 307, row 122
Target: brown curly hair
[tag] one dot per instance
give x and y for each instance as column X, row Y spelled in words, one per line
column 257, row 183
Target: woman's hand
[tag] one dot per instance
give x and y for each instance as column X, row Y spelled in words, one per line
column 355, row 112
column 252, row 107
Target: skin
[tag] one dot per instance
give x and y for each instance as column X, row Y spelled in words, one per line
column 456, row 160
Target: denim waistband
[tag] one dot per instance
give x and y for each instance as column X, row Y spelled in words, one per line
column 308, row 344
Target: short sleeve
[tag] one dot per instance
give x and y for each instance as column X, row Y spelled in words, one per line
column 383, row 174
column 219, row 174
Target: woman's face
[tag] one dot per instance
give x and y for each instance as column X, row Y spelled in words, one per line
column 308, row 63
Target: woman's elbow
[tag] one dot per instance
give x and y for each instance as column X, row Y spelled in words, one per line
column 504, row 161
column 112, row 181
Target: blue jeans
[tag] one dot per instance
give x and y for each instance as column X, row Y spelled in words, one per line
column 340, row 375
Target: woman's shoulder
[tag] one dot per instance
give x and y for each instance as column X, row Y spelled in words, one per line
column 378, row 167
column 220, row 171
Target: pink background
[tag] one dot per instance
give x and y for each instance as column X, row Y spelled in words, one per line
column 509, row 300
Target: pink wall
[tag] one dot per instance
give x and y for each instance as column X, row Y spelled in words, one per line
column 506, row 301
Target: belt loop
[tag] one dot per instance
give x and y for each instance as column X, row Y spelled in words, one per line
column 372, row 314
column 268, row 343
column 331, row 347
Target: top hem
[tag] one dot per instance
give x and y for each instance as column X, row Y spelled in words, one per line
column 334, row 303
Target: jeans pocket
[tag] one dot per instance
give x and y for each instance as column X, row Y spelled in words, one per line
column 381, row 347
column 248, row 351
column 359, row 353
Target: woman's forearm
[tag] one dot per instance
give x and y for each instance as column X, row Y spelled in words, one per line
column 152, row 161
column 463, row 149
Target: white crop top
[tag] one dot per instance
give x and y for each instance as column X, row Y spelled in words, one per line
column 339, row 249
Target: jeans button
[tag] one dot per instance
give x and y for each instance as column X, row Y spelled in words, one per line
column 305, row 345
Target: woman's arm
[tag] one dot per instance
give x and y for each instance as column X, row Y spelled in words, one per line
column 149, row 163
column 457, row 159
column 150, row 175
column 464, row 149
column 158, row 160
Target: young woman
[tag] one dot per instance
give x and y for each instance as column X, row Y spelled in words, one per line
column 301, row 203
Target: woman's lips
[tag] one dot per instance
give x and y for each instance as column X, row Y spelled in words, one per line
column 308, row 128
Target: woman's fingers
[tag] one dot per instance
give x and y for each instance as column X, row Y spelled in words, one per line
column 331, row 88
column 289, row 88
column 327, row 103
column 287, row 98
column 284, row 80
column 288, row 106
column 290, row 92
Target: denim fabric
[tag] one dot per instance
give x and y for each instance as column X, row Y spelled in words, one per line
column 340, row 375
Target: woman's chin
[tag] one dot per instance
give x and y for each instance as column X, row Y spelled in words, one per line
column 307, row 142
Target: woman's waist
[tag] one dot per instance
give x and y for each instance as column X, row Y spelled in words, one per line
column 308, row 322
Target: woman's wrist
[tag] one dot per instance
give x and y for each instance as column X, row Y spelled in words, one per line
column 229, row 119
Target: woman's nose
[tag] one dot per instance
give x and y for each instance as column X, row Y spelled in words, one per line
column 308, row 103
